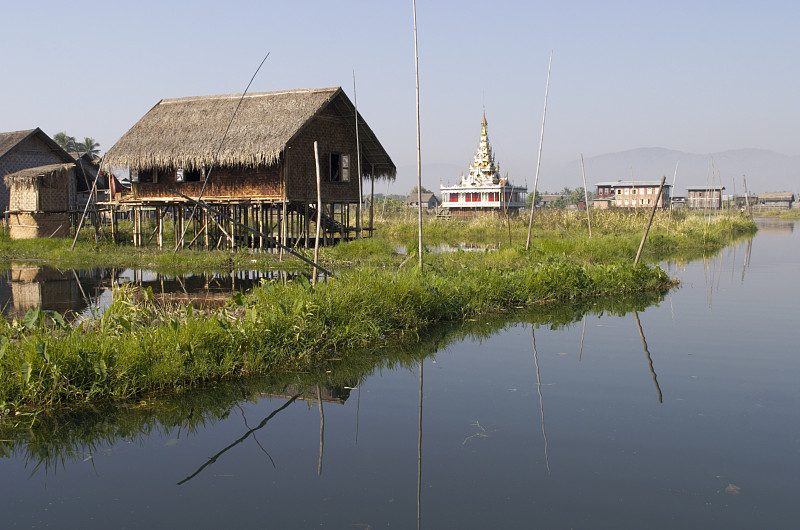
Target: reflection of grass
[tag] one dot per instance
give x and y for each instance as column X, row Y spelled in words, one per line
column 49, row 439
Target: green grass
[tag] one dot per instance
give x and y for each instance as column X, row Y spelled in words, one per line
column 138, row 346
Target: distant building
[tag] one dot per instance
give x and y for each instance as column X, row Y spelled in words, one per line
column 429, row 201
column 546, row 200
column 633, row 194
column 483, row 190
column 704, row 197
column 24, row 150
column 781, row 200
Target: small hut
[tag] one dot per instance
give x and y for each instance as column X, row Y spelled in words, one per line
column 26, row 149
column 253, row 159
column 40, row 200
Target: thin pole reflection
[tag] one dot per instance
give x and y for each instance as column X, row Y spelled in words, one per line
column 649, row 360
column 541, row 399
column 321, row 431
column 583, row 333
column 241, row 439
column 419, row 454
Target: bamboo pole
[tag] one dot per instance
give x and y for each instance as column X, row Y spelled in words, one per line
column 539, row 159
column 675, row 176
column 419, row 161
column 747, row 198
column 371, row 199
column 359, row 224
column 319, row 216
column 586, row 195
column 650, row 221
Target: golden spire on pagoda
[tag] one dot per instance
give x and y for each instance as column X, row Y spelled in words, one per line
column 483, row 169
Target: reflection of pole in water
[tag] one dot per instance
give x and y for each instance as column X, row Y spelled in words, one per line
column 321, row 431
column 541, row 399
column 241, row 439
column 747, row 256
column 419, row 454
column 583, row 333
column 649, row 360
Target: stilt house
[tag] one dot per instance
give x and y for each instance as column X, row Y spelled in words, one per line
column 252, row 158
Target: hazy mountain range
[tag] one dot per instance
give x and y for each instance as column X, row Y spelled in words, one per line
column 765, row 170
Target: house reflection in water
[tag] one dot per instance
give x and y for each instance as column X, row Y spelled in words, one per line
column 68, row 292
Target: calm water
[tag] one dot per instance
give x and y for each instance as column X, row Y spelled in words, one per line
column 684, row 414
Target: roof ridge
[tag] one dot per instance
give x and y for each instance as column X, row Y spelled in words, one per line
column 251, row 95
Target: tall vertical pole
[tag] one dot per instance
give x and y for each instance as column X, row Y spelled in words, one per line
column 419, row 159
column 371, row 199
column 539, row 159
column 650, row 221
column 319, row 215
column 359, row 223
column 586, row 195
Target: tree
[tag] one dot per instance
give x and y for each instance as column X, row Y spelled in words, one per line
column 89, row 146
column 529, row 199
column 66, row 142
column 424, row 190
column 70, row 144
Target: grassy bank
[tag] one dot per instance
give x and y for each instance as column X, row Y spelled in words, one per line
column 46, row 440
column 138, row 347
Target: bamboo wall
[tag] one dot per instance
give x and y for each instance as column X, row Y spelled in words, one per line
column 31, row 153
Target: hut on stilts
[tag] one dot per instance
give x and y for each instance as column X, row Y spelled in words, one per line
column 252, row 159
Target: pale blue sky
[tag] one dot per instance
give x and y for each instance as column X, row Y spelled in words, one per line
column 698, row 76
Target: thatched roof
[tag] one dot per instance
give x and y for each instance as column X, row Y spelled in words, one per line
column 35, row 175
column 186, row 132
column 776, row 196
column 10, row 140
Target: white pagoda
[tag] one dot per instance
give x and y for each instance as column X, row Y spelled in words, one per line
column 483, row 189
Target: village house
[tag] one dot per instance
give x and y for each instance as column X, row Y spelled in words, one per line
column 782, row 200
column 429, row 201
column 704, row 197
column 483, row 190
column 262, row 171
column 632, row 194
column 24, row 150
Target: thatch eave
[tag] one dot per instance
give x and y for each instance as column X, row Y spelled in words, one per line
column 31, row 177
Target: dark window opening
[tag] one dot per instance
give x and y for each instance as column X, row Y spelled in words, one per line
column 336, row 167
column 340, row 167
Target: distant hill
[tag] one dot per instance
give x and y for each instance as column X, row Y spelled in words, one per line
column 765, row 170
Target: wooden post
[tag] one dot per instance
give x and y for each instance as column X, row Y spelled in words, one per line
column 372, row 200
column 160, row 221
column 650, row 221
column 319, row 215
